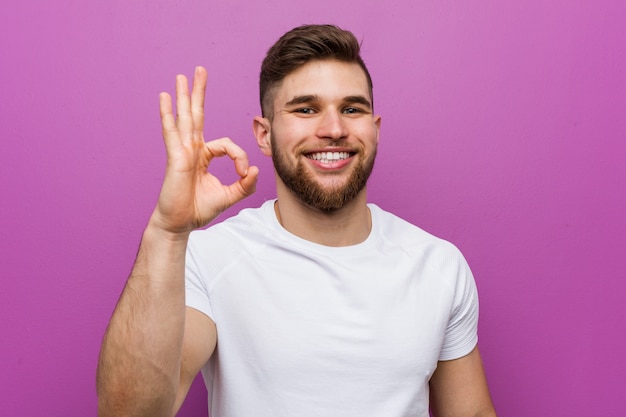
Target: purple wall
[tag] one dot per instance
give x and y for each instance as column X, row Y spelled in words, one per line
column 504, row 130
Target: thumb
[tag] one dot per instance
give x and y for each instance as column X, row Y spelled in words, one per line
column 247, row 183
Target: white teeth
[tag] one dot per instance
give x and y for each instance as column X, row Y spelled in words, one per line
column 327, row 157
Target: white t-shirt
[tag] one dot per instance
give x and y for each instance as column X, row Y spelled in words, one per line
column 310, row 330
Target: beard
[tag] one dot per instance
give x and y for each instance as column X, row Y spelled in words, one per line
column 312, row 193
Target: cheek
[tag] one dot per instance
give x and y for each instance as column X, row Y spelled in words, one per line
column 290, row 137
column 368, row 134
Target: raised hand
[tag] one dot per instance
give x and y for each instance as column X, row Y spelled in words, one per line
column 191, row 196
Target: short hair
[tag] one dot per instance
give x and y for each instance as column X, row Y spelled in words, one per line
column 300, row 46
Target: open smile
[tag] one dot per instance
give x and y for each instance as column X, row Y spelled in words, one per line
column 329, row 157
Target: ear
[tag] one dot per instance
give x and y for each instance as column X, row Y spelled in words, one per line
column 261, row 127
column 377, row 121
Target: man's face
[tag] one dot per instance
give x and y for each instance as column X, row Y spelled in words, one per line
column 324, row 135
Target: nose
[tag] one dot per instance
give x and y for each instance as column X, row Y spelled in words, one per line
column 332, row 126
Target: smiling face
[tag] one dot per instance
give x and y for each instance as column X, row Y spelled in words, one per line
column 324, row 135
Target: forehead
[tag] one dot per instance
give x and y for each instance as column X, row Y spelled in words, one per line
column 326, row 79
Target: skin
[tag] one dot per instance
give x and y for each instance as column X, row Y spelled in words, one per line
column 323, row 106
column 152, row 335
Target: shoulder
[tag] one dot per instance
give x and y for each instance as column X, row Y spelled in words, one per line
column 251, row 226
column 437, row 255
column 398, row 231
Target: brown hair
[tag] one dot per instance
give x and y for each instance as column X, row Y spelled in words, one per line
column 300, row 46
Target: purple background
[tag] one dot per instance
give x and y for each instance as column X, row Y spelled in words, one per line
column 504, row 131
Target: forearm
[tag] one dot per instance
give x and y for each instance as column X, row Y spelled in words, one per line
column 487, row 412
column 139, row 367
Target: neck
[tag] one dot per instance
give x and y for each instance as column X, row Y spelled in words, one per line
column 347, row 226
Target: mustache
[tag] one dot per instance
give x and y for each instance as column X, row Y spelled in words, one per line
column 326, row 144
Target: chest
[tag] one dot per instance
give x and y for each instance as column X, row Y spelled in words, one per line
column 322, row 317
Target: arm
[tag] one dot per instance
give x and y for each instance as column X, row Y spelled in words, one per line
column 458, row 388
column 154, row 345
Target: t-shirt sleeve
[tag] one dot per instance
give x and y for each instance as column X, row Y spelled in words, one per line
column 461, row 334
column 196, row 291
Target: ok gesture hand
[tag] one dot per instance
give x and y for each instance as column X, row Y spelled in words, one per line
column 191, row 196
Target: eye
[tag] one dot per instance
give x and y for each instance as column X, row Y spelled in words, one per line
column 352, row 110
column 305, row 110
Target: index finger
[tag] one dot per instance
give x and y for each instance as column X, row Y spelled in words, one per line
column 226, row 147
column 197, row 99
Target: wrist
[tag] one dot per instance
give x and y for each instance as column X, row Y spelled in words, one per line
column 156, row 230
column 162, row 229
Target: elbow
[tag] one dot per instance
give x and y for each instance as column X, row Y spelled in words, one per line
column 120, row 397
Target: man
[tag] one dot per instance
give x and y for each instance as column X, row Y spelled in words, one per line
column 315, row 304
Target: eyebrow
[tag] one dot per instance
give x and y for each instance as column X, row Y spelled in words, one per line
column 358, row 100
column 310, row 98
column 302, row 100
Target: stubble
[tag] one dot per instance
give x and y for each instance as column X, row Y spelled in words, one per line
column 324, row 198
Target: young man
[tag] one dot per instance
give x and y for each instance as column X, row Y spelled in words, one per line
column 316, row 303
